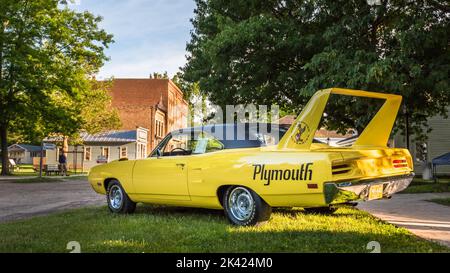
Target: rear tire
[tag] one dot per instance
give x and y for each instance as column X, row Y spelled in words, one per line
column 118, row 200
column 244, row 207
column 321, row 210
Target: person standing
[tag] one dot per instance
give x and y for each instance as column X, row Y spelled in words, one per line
column 62, row 163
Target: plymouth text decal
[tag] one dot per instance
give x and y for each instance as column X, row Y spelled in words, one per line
column 303, row 172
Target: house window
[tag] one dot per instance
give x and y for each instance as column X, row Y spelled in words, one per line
column 105, row 152
column 38, row 154
column 421, row 152
column 87, row 153
column 123, row 152
column 141, row 150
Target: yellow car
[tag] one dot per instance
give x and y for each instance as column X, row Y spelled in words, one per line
column 246, row 175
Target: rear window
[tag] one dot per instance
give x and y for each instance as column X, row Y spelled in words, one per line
column 244, row 136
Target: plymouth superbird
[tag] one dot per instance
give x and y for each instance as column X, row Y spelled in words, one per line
column 247, row 174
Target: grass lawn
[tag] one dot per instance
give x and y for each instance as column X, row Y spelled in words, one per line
column 164, row 229
column 441, row 201
column 24, row 170
column 419, row 185
column 27, row 170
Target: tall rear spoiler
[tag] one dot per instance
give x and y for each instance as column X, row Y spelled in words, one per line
column 300, row 135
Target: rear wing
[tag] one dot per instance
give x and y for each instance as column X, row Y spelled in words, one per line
column 300, row 135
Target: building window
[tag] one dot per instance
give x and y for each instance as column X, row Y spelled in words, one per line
column 123, row 152
column 87, row 153
column 159, row 129
column 105, row 152
column 141, row 151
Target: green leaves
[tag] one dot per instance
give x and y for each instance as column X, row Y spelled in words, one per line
column 283, row 51
column 48, row 56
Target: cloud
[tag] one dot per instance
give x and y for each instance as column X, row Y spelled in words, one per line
column 150, row 35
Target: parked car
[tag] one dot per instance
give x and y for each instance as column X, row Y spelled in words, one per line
column 247, row 172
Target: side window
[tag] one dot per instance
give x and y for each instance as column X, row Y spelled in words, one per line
column 206, row 144
column 187, row 144
column 175, row 145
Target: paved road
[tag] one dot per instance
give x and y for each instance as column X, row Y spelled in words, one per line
column 20, row 201
column 412, row 211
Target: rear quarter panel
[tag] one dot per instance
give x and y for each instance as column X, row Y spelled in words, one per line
column 260, row 170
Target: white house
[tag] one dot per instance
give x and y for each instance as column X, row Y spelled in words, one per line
column 101, row 148
column 438, row 143
column 24, row 153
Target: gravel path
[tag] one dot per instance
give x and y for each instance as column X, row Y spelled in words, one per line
column 21, row 201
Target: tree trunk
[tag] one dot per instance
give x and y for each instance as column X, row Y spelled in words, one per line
column 4, row 147
column 407, row 129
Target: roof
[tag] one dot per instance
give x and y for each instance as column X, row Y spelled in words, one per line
column 232, row 137
column 27, row 147
column 442, row 159
column 322, row 132
column 116, row 136
column 213, row 127
column 110, row 137
column 288, row 119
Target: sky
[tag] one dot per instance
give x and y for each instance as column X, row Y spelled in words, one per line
column 150, row 35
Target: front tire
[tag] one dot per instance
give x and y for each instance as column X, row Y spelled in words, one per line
column 118, row 200
column 244, row 207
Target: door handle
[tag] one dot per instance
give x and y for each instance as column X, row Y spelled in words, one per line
column 181, row 165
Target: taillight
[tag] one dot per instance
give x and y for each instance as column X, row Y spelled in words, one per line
column 399, row 163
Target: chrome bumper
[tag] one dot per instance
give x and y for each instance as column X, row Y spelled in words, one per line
column 342, row 192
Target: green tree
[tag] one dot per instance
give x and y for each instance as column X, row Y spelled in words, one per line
column 281, row 52
column 48, row 56
column 97, row 112
column 157, row 75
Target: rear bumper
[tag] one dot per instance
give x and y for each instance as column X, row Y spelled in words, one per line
column 343, row 192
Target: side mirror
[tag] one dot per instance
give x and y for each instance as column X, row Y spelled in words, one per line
column 158, row 153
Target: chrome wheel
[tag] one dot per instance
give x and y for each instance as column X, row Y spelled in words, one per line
column 241, row 204
column 115, row 197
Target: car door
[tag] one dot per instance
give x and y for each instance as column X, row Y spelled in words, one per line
column 164, row 176
column 202, row 163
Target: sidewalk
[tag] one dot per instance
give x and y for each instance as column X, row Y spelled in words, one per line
column 423, row 218
column 24, row 177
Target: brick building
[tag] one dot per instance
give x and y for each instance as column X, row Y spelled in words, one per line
column 154, row 104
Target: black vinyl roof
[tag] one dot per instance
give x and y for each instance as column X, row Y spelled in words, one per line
column 239, row 135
